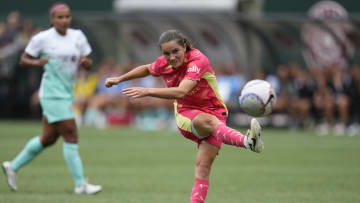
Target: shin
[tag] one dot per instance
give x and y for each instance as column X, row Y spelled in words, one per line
column 205, row 157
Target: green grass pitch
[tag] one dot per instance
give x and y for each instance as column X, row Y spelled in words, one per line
column 135, row 166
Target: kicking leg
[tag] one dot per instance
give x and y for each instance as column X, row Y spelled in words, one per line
column 206, row 124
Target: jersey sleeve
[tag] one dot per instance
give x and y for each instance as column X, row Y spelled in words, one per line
column 35, row 46
column 84, row 46
column 154, row 67
column 196, row 69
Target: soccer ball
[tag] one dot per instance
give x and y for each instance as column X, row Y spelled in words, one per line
column 257, row 98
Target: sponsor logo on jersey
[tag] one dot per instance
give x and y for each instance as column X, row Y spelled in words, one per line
column 193, row 69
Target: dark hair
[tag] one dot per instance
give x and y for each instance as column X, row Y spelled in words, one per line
column 171, row 35
column 52, row 7
column 51, row 12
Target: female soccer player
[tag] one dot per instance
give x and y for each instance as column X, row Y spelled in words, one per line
column 200, row 112
column 61, row 51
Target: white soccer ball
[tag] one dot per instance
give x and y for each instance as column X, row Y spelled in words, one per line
column 257, row 98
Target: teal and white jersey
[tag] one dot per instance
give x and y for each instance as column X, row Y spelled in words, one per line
column 64, row 52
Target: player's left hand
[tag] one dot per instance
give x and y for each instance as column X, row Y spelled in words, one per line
column 136, row 92
column 85, row 62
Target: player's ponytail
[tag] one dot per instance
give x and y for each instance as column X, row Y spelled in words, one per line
column 171, row 35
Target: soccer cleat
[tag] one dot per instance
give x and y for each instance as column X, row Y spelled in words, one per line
column 87, row 189
column 10, row 175
column 254, row 139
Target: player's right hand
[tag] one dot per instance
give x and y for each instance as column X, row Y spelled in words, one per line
column 111, row 81
column 43, row 61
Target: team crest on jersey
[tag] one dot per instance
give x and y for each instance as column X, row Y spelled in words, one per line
column 194, row 69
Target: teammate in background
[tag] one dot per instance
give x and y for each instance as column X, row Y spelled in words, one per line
column 61, row 51
column 200, row 112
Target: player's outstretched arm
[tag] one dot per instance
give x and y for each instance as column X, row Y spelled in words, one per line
column 138, row 72
column 179, row 92
column 27, row 60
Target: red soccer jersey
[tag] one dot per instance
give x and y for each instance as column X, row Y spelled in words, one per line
column 205, row 95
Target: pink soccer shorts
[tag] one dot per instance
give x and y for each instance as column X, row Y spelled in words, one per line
column 183, row 120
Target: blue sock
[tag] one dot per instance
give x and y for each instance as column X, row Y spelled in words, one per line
column 72, row 158
column 30, row 151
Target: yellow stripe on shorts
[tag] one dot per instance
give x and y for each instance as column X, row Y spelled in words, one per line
column 182, row 122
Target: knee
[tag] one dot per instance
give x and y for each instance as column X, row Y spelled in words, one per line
column 70, row 135
column 71, row 138
column 207, row 122
column 48, row 141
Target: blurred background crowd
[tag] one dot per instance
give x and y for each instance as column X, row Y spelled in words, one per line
column 307, row 50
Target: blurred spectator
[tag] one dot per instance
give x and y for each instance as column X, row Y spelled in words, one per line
column 152, row 113
column 13, row 24
column 85, row 87
column 10, row 30
column 301, row 101
column 322, row 100
column 108, row 106
column 285, row 89
column 3, row 40
column 340, row 84
column 354, row 97
column 331, row 100
column 16, row 84
column 230, row 81
column 96, row 103
column 11, row 45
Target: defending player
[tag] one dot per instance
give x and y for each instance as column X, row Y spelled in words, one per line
column 200, row 112
column 61, row 51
